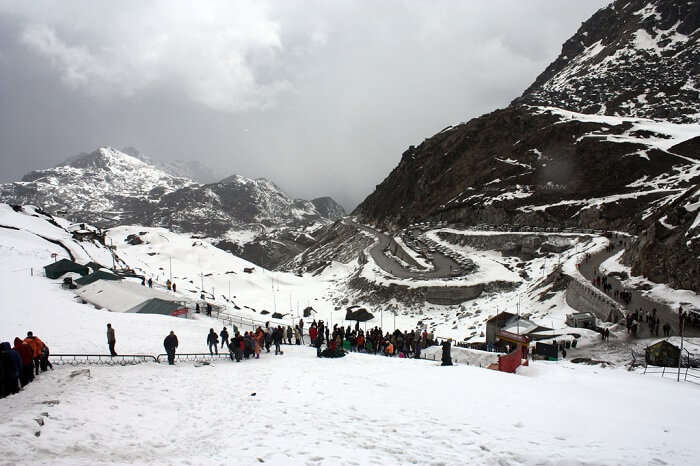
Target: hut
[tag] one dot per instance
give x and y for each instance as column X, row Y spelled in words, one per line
column 663, row 354
column 59, row 268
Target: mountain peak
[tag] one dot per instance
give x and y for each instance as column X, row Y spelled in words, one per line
column 634, row 58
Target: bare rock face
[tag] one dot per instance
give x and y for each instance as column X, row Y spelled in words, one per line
column 328, row 208
column 668, row 248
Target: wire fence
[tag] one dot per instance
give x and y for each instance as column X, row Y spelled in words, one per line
column 101, row 359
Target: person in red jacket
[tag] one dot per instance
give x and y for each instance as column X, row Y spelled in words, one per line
column 26, row 354
column 313, row 333
column 37, row 346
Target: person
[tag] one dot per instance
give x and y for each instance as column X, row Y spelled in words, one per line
column 446, row 352
column 45, row 363
column 301, row 330
column 25, row 354
column 313, row 334
column 277, row 336
column 418, row 348
column 150, row 283
column 174, row 288
column 170, row 343
column 268, row 336
column 213, row 341
column 209, row 309
column 235, row 347
column 36, row 344
column 111, row 340
column 224, row 337
column 259, row 341
column 10, row 366
column 290, row 332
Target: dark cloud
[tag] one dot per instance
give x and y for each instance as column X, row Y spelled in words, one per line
column 321, row 97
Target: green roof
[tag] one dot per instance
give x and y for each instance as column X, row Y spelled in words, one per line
column 57, row 269
column 99, row 275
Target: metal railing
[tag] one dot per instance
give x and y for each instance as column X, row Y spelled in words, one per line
column 194, row 357
column 101, row 359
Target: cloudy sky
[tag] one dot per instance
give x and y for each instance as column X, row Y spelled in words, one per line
column 321, row 97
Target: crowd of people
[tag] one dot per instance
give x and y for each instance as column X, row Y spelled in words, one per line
column 21, row 363
column 403, row 344
column 250, row 344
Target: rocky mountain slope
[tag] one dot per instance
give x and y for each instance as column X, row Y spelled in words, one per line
column 109, row 188
column 636, row 58
column 577, row 148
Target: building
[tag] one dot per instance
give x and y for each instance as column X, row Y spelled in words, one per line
column 663, row 354
column 60, row 268
column 513, row 324
column 581, row 320
column 128, row 296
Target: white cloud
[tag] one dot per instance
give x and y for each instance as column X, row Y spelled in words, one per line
column 202, row 52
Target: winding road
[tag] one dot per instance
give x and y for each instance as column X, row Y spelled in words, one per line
column 444, row 267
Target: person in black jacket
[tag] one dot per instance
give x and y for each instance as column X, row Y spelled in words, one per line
column 446, row 353
column 213, row 341
column 10, row 369
column 224, row 337
column 170, row 344
column 277, row 337
column 234, row 347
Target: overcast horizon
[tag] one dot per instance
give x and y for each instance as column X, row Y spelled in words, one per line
column 319, row 97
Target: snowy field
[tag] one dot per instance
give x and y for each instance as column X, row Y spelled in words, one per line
column 357, row 410
column 360, row 409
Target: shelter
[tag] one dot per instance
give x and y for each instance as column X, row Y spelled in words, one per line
column 494, row 324
column 93, row 277
column 161, row 306
column 581, row 320
column 662, row 353
column 121, row 295
column 59, row 268
column 360, row 315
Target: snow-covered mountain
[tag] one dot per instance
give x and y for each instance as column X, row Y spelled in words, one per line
column 110, row 188
column 635, row 58
column 607, row 137
column 191, row 169
column 106, row 187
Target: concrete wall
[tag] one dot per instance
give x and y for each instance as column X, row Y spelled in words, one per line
column 451, row 295
column 587, row 299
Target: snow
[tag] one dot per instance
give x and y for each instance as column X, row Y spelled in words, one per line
column 362, row 409
column 674, row 132
column 359, row 409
